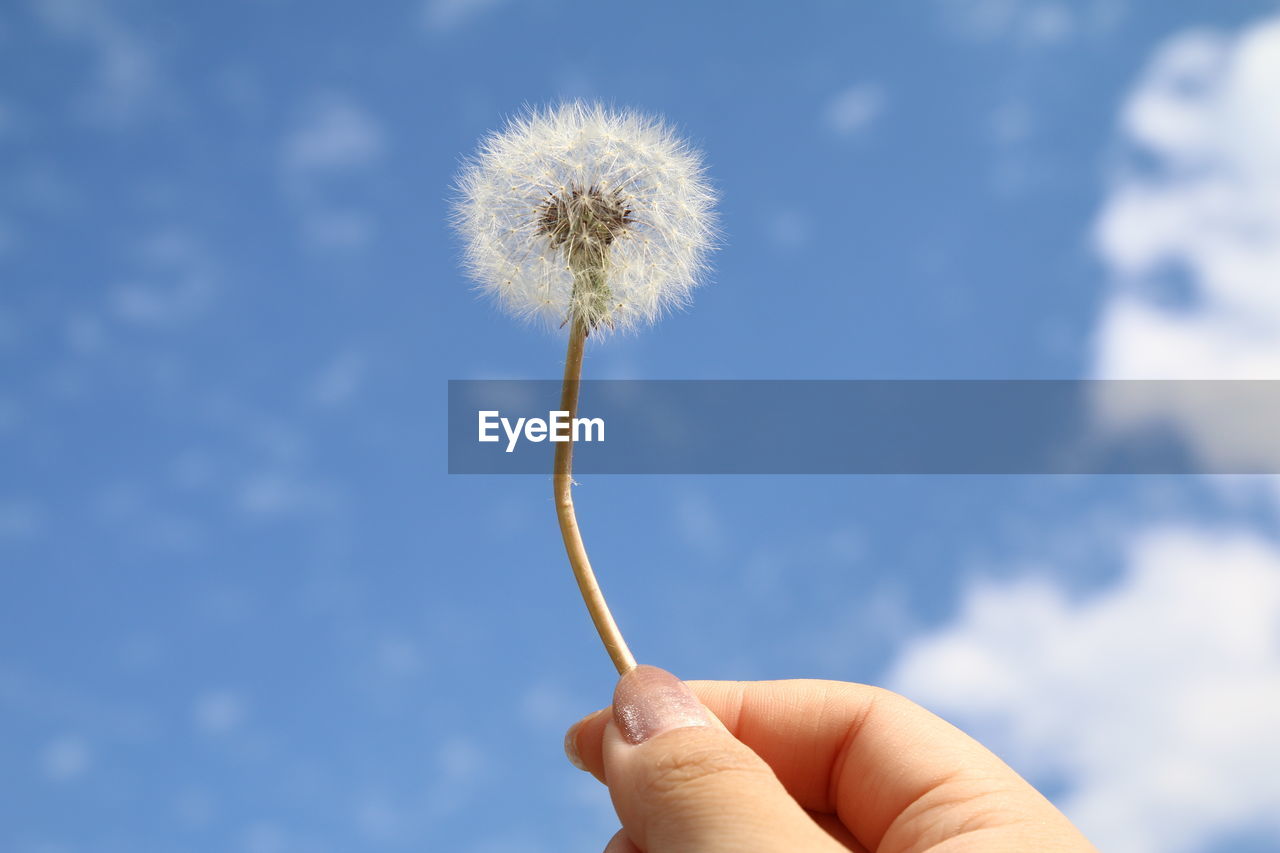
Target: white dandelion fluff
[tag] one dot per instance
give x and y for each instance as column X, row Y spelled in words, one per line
column 587, row 212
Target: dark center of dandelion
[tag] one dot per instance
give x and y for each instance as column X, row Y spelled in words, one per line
column 583, row 223
column 578, row 219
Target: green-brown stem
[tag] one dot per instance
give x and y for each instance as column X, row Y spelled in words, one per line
column 587, row 585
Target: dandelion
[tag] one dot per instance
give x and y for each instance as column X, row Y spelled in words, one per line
column 587, row 212
column 593, row 219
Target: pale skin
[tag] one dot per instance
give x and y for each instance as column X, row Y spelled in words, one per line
column 804, row 766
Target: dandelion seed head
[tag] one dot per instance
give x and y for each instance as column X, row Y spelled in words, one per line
column 580, row 210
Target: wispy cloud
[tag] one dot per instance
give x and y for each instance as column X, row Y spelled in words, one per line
column 788, row 228
column 459, row 766
column 20, row 518
column 126, row 80
column 442, row 16
column 280, row 492
column 546, row 705
column 333, row 134
column 65, row 758
column 1017, row 166
column 854, row 109
column 264, row 469
column 698, row 523
column 339, row 380
column 1155, row 700
column 1031, row 22
column 217, row 712
column 173, row 282
column 11, row 412
column 137, row 513
column 8, row 237
column 9, row 121
column 334, row 138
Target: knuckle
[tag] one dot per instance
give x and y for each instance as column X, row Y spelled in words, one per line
column 693, row 766
column 871, row 695
column 956, row 805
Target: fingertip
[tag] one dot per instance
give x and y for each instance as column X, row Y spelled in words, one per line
column 621, row 843
column 571, row 746
column 583, row 743
column 649, row 701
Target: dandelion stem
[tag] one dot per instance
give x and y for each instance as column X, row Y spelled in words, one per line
column 586, row 578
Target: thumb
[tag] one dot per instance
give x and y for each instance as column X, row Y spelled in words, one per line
column 681, row 783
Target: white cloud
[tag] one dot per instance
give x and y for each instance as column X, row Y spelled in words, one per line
column 442, row 16
column 1190, row 229
column 1190, row 235
column 1155, row 699
column 854, row 109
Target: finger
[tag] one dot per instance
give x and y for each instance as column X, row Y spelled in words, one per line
column 620, row 843
column 681, row 783
column 583, row 742
column 595, row 722
column 874, row 758
column 837, row 830
column 898, row 776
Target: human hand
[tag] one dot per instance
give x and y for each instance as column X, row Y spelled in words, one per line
column 802, row 767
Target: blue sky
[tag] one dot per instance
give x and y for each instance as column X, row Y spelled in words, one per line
column 244, row 607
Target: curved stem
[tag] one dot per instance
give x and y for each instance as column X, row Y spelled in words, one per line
column 563, row 480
